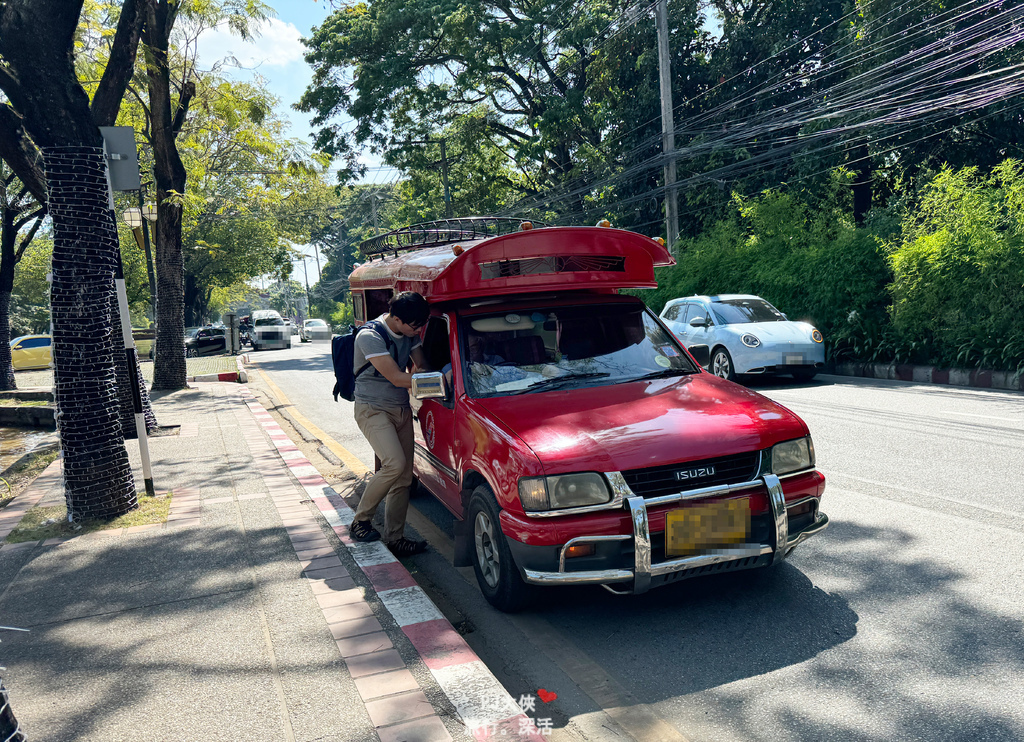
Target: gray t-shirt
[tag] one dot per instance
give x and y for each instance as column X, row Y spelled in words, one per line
column 371, row 387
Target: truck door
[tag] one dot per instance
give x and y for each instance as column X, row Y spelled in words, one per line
column 437, row 459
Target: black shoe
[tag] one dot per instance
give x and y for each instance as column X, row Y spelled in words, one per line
column 362, row 530
column 404, row 547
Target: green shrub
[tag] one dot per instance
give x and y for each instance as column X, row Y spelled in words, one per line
column 958, row 269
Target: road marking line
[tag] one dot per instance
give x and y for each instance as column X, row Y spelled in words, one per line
column 987, row 417
column 333, row 446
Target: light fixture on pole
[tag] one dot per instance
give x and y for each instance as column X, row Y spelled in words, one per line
column 133, row 217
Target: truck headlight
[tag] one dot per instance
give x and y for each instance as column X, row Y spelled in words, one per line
column 563, row 491
column 793, row 456
column 750, row 341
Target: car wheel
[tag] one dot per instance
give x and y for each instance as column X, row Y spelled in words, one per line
column 721, row 365
column 255, row 347
column 191, row 353
column 496, row 572
column 804, row 374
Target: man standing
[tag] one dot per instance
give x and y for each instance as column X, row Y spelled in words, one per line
column 381, row 356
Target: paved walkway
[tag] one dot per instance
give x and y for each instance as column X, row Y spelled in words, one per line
column 244, row 617
column 43, row 377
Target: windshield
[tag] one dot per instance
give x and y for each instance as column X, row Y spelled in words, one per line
column 269, row 321
column 566, row 347
column 190, row 332
column 743, row 311
column 315, row 323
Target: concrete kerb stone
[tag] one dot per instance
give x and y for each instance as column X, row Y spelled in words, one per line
column 975, row 378
column 481, row 701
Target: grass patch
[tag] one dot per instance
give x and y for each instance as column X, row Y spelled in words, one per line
column 51, row 521
column 20, row 478
column 9, row 402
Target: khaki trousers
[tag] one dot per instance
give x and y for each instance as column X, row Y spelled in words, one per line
column 389, row 432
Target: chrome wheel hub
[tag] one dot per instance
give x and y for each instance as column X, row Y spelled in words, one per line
column 720, row 366
column 486, row 549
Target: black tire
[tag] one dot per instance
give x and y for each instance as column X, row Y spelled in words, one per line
column 498, row 576
column 255, row 347
column 721, row 365
column 191, row 353
column 805, row 374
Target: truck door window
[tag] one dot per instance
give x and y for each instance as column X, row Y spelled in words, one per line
column 566, row 347
column 436, row 345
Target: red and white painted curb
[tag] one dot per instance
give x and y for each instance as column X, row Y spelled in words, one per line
column 486, row 708
column 238, row 375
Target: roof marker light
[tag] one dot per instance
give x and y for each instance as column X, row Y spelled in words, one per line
column 660, row 241
column 603, row 223
column 457, row 250
column 525, row 226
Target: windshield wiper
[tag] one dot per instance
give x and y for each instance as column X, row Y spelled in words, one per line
column 549, row 383
column 665, row 374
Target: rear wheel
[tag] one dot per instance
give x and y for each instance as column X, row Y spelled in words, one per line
column 191, row 353
column 496, row 572
column 721, row 365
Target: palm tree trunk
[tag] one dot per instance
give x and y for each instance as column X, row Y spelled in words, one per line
column 8, row 238
column 98, row 480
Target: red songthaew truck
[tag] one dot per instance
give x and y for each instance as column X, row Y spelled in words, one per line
column 572, row 436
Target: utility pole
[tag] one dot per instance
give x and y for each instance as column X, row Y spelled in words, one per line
column 373, row 210
column 306, row 274
column 668, row 136
column 444, row 173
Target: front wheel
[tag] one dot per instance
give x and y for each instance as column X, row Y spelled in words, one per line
column 496, row 572
column 721, row 365
column 191, row 353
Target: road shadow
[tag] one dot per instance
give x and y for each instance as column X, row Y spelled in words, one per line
column 920, row 674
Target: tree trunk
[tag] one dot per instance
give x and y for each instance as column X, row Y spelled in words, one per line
column 8, row 237
column 98, row 480
column 862, row 195
column 169, row 173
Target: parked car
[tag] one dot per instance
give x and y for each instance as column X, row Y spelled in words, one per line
column 145, row 341
column 314, row 329
column 31, row 351
column 269, row 330
column 746, row 335
column 205, row 341
column 570, row 433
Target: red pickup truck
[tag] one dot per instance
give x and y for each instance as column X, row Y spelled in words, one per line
column 572, row 436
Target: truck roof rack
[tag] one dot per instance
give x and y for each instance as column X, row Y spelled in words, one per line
column 440, row 232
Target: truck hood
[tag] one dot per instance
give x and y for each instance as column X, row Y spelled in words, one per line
column 643, row 423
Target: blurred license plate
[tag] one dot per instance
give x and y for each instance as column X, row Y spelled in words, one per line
column 695, row 529
column 794, row 358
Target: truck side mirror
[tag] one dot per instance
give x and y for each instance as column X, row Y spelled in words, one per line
column 701, row 354
column 429, row 385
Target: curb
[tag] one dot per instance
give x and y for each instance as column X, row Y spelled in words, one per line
column 485, row 707
column 977, row 378
column 238, row 375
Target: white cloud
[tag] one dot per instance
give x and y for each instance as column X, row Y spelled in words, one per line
column 277, row 45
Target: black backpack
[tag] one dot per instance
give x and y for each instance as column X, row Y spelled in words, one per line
column 343, row 358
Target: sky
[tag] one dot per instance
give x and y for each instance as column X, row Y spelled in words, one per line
column 277, row 56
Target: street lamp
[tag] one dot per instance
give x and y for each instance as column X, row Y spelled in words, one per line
column 135, row 217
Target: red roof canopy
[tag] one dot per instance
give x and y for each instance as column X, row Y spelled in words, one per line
column 532, row 260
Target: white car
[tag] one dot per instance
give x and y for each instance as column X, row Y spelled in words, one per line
column 746, row 335
column 269, row 330
column 314, row 329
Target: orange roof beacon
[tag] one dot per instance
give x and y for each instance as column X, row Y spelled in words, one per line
column 570, row 433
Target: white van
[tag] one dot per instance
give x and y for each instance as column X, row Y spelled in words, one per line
column 269, row 330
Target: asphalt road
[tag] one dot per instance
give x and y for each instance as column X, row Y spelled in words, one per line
column 903, row 621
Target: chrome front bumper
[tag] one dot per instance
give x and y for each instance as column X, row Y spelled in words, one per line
column 643, row 570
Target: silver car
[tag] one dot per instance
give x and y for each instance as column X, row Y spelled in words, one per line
column 746, row 335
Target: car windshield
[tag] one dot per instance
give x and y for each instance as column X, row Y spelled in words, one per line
column 269, row 322
column 743, row 311
column 315, row 323
column 566, row 348
column 190, row 332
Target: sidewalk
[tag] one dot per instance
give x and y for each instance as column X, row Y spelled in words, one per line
column 243, row 617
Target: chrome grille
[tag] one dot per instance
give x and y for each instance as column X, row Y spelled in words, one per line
column 662, row 480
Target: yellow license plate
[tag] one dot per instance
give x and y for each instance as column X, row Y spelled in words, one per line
column 698, row 528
